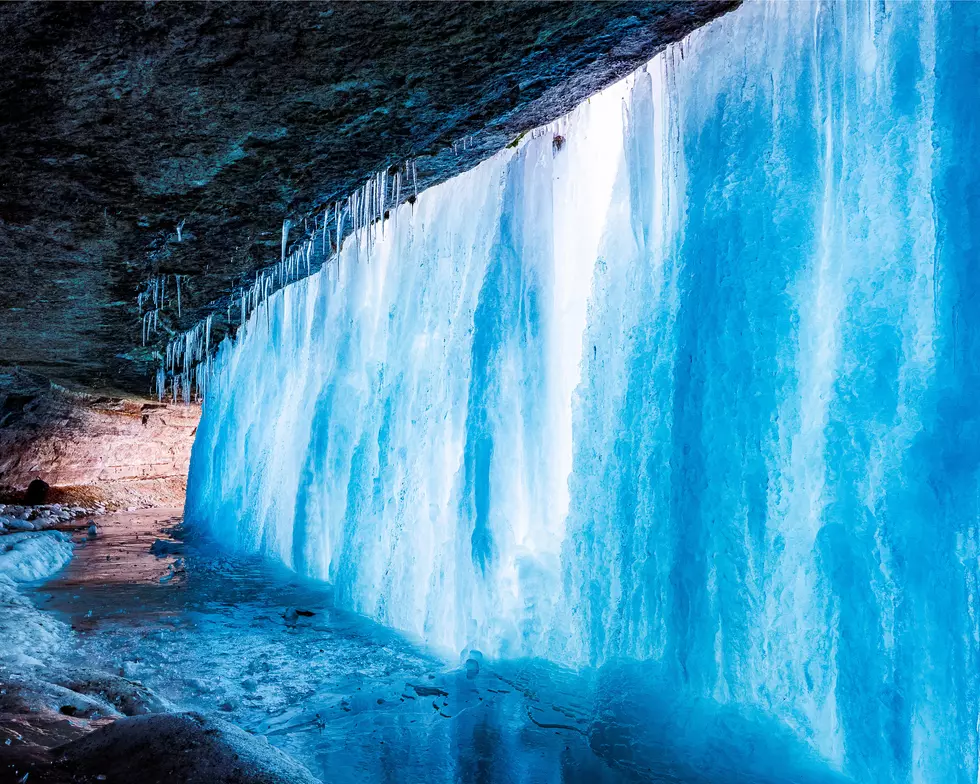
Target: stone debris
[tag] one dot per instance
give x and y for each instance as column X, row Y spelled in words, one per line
column 14, row 517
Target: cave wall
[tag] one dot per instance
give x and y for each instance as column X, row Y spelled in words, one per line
column 118, row 450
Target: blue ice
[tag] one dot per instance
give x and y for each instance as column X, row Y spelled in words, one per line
column 694, row 391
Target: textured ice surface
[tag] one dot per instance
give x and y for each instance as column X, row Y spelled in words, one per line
column 28, row 637
column 697, row 386
column 238, row 637
column 28, row 557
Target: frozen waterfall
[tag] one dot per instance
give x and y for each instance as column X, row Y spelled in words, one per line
column 689, row 376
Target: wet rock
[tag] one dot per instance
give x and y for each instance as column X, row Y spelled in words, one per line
column 127, row 697
column 175, row 569
column 37, row 492
column 185, row 747
column 292, row 615
column 17, row 524
column 37, row 697
column 93, row 531
column 164, row 547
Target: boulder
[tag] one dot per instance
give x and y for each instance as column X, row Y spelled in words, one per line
column 185, row 747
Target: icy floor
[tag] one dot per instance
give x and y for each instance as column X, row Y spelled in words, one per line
column 356, row 702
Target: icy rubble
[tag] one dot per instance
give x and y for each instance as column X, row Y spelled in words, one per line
column 42, row 517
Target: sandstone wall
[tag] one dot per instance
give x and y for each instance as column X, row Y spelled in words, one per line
column 121, row 450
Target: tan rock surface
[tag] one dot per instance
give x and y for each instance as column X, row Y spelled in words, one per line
column 120, row 450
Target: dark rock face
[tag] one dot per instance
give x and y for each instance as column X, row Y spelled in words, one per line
column 122, row 121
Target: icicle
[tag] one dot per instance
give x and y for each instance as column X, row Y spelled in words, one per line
column 188, row 356
column 285, row 237
column 180, row 231
column 338, row 209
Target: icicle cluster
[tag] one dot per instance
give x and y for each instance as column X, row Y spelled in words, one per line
column 364, row 209
column 362, row 214
column 187, row 364
column 152, row 299
column 462, row 145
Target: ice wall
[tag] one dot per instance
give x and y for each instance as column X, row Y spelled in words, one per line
column 688, row 376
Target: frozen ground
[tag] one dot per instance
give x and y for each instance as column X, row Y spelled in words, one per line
column 355, row 702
